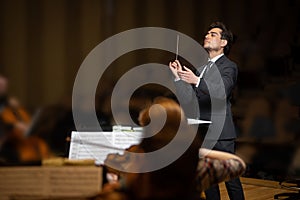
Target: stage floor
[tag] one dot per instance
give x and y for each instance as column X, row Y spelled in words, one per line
column 256, row 189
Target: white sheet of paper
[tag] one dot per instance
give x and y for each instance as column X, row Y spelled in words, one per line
column 197, row 121
column 97, row 145
column 42, row 182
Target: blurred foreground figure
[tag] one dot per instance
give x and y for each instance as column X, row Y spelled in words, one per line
column 15, row 147
column 13, row 117
column 185, row 178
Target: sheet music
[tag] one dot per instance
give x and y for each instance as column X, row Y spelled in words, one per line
column 97, row 145
column 33, row 182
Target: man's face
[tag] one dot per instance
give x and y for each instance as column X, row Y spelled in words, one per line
column 213, row 41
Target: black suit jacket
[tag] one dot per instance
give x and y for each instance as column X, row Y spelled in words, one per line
column 211, row 99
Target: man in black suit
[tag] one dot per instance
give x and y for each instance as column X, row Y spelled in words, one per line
column 209, row 90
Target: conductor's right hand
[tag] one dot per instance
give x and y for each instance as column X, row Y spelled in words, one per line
column 175, row 67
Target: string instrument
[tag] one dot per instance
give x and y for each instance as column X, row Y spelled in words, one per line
column 28, row 150
column 15, row 117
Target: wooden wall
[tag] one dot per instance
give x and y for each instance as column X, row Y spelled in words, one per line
column 43, row 42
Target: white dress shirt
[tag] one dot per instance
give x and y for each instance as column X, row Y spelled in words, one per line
column 213, row 60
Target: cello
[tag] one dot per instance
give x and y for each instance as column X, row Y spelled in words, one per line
column 15, row 118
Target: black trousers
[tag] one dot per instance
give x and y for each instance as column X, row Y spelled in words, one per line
column 234, row 186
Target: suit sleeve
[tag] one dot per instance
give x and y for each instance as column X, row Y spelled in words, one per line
column 184, row 91
column 186, row 96
column 219, row 82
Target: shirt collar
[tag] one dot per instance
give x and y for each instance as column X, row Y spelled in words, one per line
column 214, row 59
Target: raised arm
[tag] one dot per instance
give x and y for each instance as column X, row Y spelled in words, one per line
column 215, row 167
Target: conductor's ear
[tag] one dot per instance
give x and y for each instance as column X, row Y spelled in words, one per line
column 223, row 43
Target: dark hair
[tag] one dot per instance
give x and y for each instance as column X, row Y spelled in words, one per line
column 226, row 34
column 164, row 177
